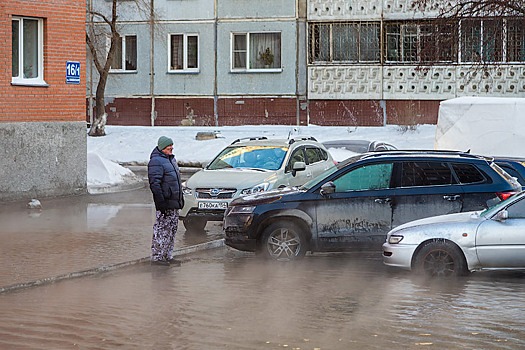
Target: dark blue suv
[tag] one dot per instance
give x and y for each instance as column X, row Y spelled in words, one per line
column 354, row 205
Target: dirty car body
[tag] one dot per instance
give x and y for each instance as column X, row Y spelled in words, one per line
column 455, row 244
column 354, row 205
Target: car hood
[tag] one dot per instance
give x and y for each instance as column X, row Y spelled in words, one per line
column 230, row 178
column 457, row 219
column 263, row 197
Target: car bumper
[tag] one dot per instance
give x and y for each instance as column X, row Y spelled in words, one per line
column 398, row 255
column 208, row 215
column 240, row 241
column 191, row 208
column 237, row 232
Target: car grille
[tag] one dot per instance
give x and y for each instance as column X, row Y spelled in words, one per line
column 215, row 193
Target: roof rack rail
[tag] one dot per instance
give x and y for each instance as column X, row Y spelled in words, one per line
column 301, row 138
column 255, row 138
column 429, row 151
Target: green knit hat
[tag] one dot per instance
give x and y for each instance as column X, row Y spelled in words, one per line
column 164, row 142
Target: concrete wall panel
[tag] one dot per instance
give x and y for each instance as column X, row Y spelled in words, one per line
column 42, row 159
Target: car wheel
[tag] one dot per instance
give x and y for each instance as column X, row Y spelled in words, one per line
column 283, row 241
column 440, row 259
column 194, row 224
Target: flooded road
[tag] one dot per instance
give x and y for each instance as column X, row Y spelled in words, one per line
column 80, row 232
column 225, row 299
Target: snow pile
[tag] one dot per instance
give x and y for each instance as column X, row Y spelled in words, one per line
column 103, row 174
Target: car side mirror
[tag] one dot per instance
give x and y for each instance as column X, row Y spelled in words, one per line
column 501, row 215
column 298, row 166
column 327, row 188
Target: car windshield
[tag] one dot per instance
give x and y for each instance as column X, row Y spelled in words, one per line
column 252, row 157
column 495, row 208
column 329, row 172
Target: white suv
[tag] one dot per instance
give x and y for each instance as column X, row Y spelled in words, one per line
column 249, row 166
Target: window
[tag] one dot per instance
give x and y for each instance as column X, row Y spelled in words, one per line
column 256, row 51
column 515, row 40
column 425, row 174
column 184, row 52
column 467, row 173
column 313, row 155
column 125, row 58
column 420, row 41
column 517, row 210
column 344, row 42
column 481, row 40
column 368, row 177
column 27, row 51
column 297, row 156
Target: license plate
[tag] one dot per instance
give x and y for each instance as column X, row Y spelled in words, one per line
column 213, row 205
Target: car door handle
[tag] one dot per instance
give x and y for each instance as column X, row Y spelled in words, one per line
column 383, row 200
column 452, row 198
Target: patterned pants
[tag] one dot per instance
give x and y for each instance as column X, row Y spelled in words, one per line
column 164, row 231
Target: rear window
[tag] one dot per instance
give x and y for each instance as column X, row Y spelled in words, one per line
column 425, row 174
column 468, row 173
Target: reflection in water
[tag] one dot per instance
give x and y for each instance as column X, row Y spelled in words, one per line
column 224, row 299
column 80, row 232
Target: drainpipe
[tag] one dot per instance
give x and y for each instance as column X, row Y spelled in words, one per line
column 152, row 61
column 215, row 63
column 90, row 6
column 297, row 66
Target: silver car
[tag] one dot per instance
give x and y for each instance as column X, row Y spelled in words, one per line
column 246, row 167
column 455, row 244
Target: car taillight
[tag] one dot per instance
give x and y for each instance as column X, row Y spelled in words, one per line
column 505, row 195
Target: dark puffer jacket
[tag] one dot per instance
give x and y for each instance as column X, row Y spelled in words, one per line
column 164, row 181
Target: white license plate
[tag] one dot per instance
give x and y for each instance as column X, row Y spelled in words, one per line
column 213, row 205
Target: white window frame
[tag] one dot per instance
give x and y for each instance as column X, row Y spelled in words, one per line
column 185, row 68
column 123, row 54
column 18, row 78
column 247, row 53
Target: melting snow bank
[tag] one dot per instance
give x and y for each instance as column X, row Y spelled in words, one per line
column 105, row 176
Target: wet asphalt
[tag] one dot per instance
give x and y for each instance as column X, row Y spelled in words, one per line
column 86, row 234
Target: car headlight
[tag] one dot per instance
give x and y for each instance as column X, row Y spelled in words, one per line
column 241, row 210
column 395, row 239
column 255, row 189
column 187, row 191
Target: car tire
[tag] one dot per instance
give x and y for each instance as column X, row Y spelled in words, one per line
column 194, row 224
column 440, row 259
column 283, row 241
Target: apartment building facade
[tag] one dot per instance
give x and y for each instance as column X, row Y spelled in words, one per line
column 208, row 62
column 299, row 62
column 42, row 98
column 379, row 62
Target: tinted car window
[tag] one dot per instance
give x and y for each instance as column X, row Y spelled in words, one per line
column 368, row 177
column 425, row 174
column 467, row 173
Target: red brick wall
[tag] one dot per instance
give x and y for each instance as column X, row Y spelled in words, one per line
column 370, row 112
column 271, row 111
column 170, row 111
column 64, row 40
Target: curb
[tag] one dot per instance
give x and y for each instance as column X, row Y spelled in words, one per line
column 97, row 270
